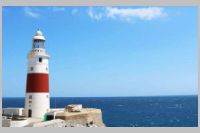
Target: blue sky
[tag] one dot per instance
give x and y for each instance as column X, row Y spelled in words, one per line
column 104, row 51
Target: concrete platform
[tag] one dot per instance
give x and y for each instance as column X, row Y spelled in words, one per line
column 85, row 116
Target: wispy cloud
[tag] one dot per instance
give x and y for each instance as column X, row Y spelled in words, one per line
column 74, row 11
column 126, row 14
column 58, row 9
column 100, row 13
column 31, row 12
column 96, row 14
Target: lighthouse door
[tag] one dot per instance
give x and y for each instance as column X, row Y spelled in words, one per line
column 29, row 113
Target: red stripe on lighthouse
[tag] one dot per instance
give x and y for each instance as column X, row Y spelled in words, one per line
column 37, row 82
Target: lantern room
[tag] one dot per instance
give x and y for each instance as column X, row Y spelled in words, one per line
column 38, row 40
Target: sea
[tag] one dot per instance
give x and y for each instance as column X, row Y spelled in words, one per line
column 150, row 111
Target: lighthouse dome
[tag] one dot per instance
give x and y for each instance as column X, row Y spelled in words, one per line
column 38, row 33
column 38, row 36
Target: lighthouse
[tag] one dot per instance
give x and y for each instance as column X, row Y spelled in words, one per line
column 37, row 101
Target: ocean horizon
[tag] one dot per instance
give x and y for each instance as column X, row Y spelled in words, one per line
column 108, row 96
column 132, row 111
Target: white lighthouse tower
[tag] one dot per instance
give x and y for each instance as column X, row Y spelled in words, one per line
column 37, row 101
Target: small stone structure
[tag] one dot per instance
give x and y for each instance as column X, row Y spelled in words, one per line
column 86, row 117
column 73, row 108
column 13, row 111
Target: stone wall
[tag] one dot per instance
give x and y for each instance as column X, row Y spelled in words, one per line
column 14, row 123
column 52, row 123
column 6, row 122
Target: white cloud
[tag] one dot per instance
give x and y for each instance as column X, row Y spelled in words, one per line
column 141, row 13
column 31, row 12
column 126, row 14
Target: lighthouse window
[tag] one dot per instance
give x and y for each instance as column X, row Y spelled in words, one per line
column 40, row 59
column 30, row 96
column 31, row 68
column 38, row 44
